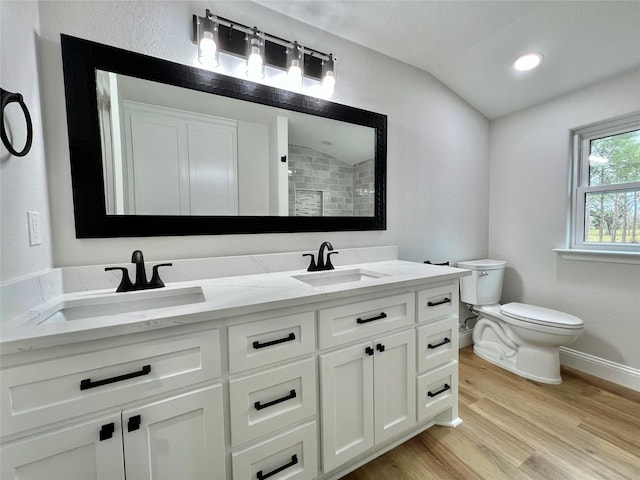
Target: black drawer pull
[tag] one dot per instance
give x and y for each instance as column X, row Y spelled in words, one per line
column 260, row 406
column 87, row 383
column 442, row 390
column 443, row 342
column 369, row 351
column 134, row 423
column 367, row 320
column 435, row 304
column 263, row 476
column 288, row 338
column 106, row 431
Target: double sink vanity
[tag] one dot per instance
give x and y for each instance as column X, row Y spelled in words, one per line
column 287, row 374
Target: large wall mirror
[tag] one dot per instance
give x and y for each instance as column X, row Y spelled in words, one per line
column 160, row 148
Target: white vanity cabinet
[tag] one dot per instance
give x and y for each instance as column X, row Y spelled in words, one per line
column 397, row 379
column 272, row 390
column 437, row 381
column 368, row 395
column 86, row 450
column 284, row 390
column 177, row 437
column 96, row 408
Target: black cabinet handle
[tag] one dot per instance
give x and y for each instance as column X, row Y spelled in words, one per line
column 442, row 390
column 263, row 476
column 444, row 342
column 134, row 423
column 106, row 431
column 380, row 347
column 369, row 351
column 435, row 304
column 260, row 406
column 288, row 338
column 87, row 383
column 367, row 320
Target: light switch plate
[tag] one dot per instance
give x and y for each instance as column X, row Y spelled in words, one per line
column 35, row 229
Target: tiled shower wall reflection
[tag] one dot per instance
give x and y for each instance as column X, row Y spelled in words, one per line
column 363, row 188
column 346, row 189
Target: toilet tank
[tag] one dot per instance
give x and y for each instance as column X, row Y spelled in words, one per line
column 484, row 286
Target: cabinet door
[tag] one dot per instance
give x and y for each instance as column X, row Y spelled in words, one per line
column 394, row 383
column 75, row 452
column 157, row 165
column 213, row 158
column 180, row 437
column 347, row 404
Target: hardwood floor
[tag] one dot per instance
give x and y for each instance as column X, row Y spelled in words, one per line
column 513, row 428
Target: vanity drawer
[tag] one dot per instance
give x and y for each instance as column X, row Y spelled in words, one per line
column 438, row 302
column 437, row 391
column 292, row 455
column 352, row 322
column 437, row 343
column 46, row 392
column 271, row 400
column 269, row 341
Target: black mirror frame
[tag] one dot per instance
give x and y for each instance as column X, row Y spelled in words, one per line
column 81, row 58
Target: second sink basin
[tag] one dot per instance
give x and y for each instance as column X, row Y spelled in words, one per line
column 334, row 277
column 119, row 303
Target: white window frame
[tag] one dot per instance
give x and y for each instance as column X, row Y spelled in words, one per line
column 581, row 147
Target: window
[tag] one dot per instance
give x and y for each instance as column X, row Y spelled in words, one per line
column 605, row 212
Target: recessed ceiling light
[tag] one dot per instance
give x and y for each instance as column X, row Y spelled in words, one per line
column 528, row 61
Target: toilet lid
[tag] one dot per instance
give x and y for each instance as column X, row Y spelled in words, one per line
column 540, row 315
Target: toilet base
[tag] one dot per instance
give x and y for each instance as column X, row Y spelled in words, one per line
column 535, row 362
column 510, row 364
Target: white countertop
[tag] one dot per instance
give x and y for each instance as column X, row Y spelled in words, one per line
column 223, row 297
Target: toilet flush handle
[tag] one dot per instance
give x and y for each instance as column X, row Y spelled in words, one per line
column 483, row 274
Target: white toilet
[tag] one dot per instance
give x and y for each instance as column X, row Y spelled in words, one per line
column 521, row 338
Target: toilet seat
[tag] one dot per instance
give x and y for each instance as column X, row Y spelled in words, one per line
column 546, row 317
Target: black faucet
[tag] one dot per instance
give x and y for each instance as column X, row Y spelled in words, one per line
column 321, row 265
column 141, row 276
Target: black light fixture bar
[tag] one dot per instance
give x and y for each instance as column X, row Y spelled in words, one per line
column 232, row 37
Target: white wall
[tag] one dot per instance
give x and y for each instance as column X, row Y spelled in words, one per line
column 529, row 175
column 253, row 168
column 23, row 179
column 437, row 198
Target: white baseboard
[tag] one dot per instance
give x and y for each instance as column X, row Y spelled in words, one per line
column 465, row 338
column 613, row 372
column 599, row 367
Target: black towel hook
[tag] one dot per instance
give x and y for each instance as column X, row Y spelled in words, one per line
column 7, row 98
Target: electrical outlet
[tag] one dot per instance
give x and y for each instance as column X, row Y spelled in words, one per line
column 35, row 229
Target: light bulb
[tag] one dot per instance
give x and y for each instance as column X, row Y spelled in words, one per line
column 255, row 67
column 328, row 76
column 329, row 81
column 294, row 75
column 295, row 59
column 207, row 53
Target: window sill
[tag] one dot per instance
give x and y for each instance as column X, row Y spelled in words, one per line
column 599, row 256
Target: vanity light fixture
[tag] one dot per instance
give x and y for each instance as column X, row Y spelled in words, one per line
column 528, row 61
column 214, row 34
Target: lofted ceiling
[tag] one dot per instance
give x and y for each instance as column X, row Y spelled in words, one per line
column 470, row 45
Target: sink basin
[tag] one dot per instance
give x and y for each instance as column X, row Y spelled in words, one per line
column 118, row 303
column 334, row 277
